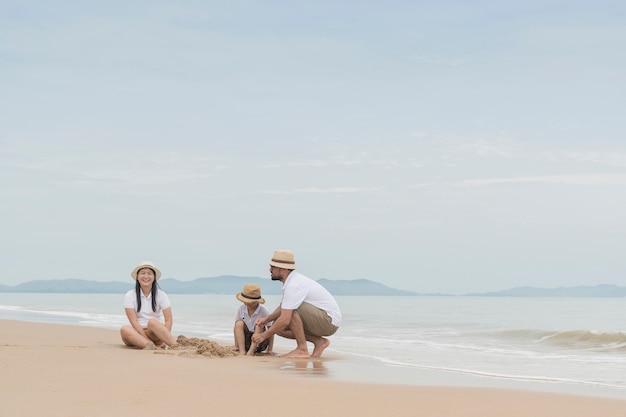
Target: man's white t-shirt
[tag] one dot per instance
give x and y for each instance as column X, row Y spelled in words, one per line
column 146, row 313
column 299, row 289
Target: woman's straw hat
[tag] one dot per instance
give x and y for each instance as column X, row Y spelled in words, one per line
column 251, row 293
column 146, row 264
column 283, row 259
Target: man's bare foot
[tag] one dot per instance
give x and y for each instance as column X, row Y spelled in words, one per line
column 296, row 353
column 149, row 346
column 320, row 346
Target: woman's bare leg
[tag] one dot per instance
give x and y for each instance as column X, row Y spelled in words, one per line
column 131, row 337
column 157, row 330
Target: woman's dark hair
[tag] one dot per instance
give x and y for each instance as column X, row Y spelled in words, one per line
column 154, row 289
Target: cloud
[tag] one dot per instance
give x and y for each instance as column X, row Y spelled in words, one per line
column 615, row 159
column 119, row 166
column 421, row 185
column 484, row 147
column 315, row 190
column 618, row 179
column 449, row 61
column 341, row 161
column 144, row 177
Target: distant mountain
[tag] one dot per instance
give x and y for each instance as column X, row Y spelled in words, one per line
column 69, row 286
column 581, row 291
column 228, row 284
column 232, row 285
column 218, row 285
column 225, row 284
column 360, row 287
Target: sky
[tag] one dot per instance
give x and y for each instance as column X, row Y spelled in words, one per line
column 432, row 146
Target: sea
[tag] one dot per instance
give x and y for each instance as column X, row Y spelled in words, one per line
column 569, row 345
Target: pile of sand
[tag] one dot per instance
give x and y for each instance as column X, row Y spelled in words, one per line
column 202, row 347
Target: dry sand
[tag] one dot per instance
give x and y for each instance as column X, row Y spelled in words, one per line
column 57, row 370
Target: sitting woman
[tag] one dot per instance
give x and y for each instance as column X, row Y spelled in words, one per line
column 148, row 310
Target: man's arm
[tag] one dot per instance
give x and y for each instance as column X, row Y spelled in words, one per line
column 264, row 320
column 281, row 320
column 275, row 314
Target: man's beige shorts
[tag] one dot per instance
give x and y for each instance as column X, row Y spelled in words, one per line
column 315, row 321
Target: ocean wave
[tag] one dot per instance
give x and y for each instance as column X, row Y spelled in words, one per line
column 573, row 339
column 65, row 316
column 585, row 339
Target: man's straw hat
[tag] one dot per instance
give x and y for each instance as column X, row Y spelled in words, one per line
column 283, row 259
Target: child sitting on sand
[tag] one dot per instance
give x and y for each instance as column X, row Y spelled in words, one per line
column 245, row 326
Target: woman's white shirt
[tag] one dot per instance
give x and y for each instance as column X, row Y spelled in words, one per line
column 146, row 313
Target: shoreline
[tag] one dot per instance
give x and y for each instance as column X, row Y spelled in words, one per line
column 61, row 370
column 348, row 367
column 512, row 352
column 367, row 370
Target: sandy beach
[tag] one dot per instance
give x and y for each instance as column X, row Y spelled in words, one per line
column 63, row 370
